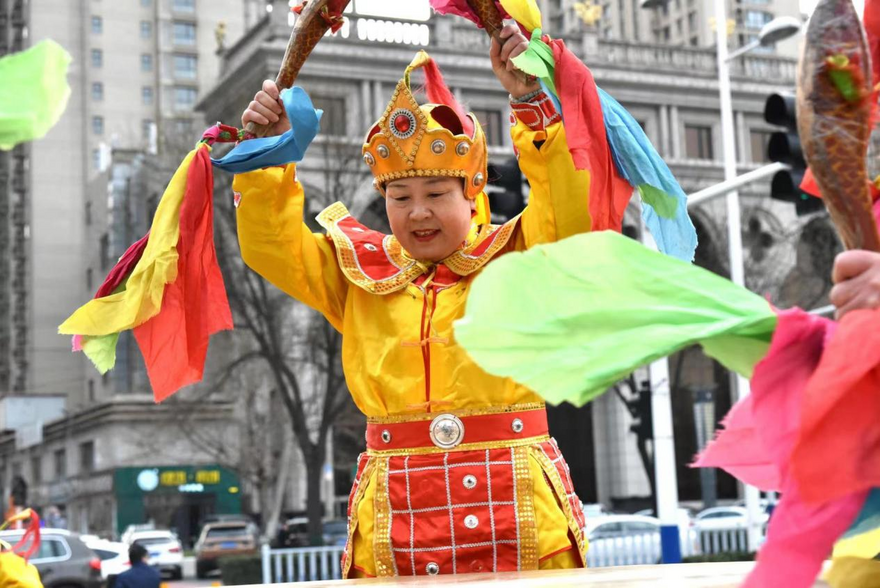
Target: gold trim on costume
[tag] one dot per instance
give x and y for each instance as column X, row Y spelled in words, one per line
column 463, row 263
column 382, row 549
column 363, row 482
column 466, row 412
column 527, row 527
column 409, row 269
column 562, row 496
column 463, row 447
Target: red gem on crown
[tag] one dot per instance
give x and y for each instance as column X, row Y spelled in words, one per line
column 402, row 123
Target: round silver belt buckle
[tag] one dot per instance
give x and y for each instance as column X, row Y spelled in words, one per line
column 447, row 431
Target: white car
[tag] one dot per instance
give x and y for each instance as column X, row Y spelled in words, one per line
column 725, row 518
column 113, row 556
column 164, row 548
column 635, row 525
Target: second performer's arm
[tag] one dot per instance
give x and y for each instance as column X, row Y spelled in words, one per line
column 559, row 198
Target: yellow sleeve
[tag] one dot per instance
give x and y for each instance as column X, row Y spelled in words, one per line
column 559, row 197
column 276, row 243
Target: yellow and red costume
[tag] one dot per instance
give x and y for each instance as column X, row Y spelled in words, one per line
column 459, row 474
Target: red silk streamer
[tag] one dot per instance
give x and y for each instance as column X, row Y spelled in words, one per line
column 839, row 441
column 123, row 267
column 174, row 343
column 763, row 432
column 587, row 141
column 117, row 275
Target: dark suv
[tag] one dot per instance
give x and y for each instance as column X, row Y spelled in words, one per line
column 62, row 559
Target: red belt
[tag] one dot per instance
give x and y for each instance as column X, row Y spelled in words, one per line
column 447, row 431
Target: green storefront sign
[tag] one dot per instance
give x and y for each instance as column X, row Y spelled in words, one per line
column 173, row 493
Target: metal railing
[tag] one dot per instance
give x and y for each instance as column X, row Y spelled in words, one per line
column 724, row 541
column 300, row 564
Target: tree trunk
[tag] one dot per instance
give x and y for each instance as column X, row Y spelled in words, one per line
column 273, row 514
column 314, row 506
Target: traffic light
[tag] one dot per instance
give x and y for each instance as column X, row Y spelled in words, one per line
column 505, row 190
column 640, row 408
column 785, row 147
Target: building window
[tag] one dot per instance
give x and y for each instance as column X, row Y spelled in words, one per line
column 698, row 142
column 104, row 245
column 60, row 463
column 97, row 25
column 91, row 390
column 184, row 33
column 146, row 3
column 97, row 91
column 759, row 142
column 146, row 62
column 146, row 129
column 490, row 120
column 185, row 66
column 184, row 98
column 755, row 19
column 87, row 456
column 97, row 58
column 89, row 279
column 184, row 5
column 96, row 160
column 147, row 95
column 98, row 125
column 183, row 126
column 333, row 121
column 88, row 214
column 146, row 29
column 37, row 469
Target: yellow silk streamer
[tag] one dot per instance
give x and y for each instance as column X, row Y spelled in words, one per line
column 142, row 298
column 525, row 12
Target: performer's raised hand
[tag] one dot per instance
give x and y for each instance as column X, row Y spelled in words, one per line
column 856, row 278
column 513, row 42
column 266, row 109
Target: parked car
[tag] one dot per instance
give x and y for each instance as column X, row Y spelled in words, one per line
column 223, row 539
column 63, row 560
column 335, row 532
column 164, row 548
column 113, row 556
column 595, row 510
column 616, row 526
column 724, row 518
column 293, row 532
column 684, row 517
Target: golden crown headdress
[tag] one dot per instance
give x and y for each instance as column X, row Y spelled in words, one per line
column 412, row 140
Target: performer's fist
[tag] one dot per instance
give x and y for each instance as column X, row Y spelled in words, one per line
column 856, row 278
column 266, row 109
column 513, row 42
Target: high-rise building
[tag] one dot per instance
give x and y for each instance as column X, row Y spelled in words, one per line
column 15, row 332
column 674, row 22
column 138, row 69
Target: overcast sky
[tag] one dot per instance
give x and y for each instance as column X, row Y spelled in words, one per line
column 808, row 5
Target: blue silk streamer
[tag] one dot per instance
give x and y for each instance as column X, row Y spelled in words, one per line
column 289, row 147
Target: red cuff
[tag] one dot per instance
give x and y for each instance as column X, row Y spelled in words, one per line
column 537, row 114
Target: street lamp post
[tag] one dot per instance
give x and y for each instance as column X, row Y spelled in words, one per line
column 773, row 32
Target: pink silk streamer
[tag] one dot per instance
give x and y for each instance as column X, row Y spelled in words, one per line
column 461, row 8
column 756, row 446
